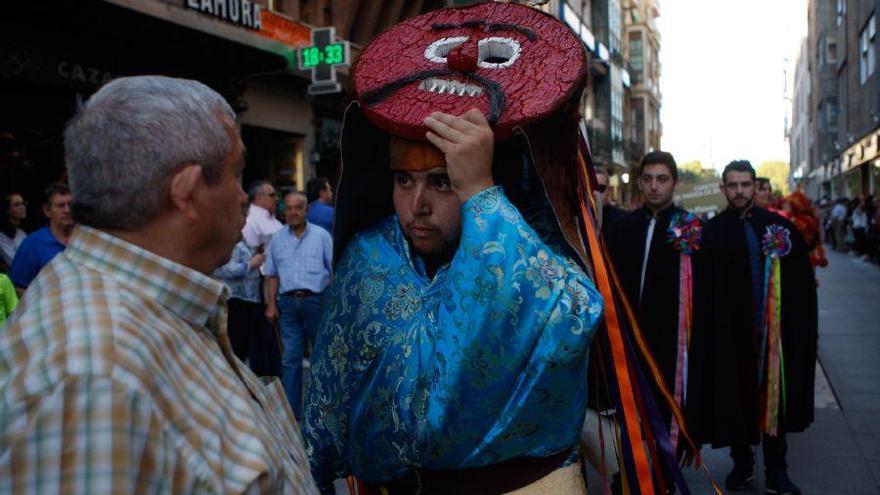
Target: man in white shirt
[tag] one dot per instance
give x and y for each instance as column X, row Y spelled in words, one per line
column 838, row 222
column 261, row 222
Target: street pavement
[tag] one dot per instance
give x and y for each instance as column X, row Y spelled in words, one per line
column 840, row 453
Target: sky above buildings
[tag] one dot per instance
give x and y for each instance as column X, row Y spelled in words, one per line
column 722, row 77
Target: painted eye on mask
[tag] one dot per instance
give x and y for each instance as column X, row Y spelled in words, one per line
column 498, row 53
column 493, row 53
column 438, row 50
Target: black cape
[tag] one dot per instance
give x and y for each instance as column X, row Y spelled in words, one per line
column 611, row 214
column 724, row 397
column 657, row 308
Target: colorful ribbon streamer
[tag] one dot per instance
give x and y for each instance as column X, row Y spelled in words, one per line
column 774, row 388
column 775, row 244
column 685, row 317
column 625, row 388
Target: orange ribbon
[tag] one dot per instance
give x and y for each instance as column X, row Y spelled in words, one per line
column 625, row 386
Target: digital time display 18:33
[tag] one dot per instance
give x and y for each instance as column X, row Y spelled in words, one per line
column 312, row 56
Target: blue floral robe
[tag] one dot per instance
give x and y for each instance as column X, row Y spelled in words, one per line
column 486, row 362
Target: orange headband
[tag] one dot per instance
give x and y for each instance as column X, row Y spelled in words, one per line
column 413, row 156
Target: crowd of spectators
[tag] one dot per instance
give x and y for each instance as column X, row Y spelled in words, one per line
column 852, row 225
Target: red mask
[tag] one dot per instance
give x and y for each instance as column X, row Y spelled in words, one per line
column 514, row 63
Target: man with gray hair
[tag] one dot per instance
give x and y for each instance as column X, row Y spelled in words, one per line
column 299, row 265
column 116, row 373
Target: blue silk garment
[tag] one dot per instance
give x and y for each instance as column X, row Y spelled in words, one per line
column 486, row 362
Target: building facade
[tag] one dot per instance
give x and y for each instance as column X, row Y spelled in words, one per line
column 856, row 168
column 54, row 53
column 824, row 103
column 642, row 50
column 844, row 101
column 622, row 115
column 801, row 169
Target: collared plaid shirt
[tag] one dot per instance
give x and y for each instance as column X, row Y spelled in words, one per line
column 116, row 376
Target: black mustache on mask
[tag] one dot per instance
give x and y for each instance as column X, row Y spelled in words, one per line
column 497, row 99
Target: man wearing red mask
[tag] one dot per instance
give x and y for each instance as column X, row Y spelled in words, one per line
column 451, row 357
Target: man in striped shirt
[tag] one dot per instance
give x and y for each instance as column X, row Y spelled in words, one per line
column 116, row 372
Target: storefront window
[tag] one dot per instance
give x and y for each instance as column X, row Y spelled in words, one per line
column 853, row 183
column 838, row 184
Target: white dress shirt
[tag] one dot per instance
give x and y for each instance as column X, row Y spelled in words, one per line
column 859, row 219
column 648, row 239
column 8, row 246
column 260, row 226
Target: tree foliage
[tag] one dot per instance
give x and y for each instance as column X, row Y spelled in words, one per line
column 693, row 172
column 777, row 172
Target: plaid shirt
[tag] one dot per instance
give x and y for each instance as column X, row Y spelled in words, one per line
column 116, row 376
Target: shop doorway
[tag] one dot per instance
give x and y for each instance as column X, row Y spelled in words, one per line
column 31, row 140
column 274, row 155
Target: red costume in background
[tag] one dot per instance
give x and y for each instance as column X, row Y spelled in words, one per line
column 803, row 216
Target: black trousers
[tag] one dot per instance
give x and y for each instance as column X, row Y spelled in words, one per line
column 775, row 449
column 253, row 338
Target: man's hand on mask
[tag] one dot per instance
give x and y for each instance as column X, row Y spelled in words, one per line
column 467, row 143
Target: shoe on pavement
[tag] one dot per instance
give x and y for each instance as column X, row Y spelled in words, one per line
column 740, row 478
column 778, row 483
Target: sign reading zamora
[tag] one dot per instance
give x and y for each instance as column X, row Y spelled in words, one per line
column 322, row 58
column 702, row 197
column 245, row 13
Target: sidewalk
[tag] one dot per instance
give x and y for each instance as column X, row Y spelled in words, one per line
column 840, row 453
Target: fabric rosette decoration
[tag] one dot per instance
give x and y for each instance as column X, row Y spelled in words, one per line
column 684, row 234
column 775, row 244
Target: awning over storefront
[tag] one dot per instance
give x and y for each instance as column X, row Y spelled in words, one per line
column 238, row 21
column 122, row 37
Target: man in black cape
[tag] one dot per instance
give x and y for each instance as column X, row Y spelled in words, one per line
column 732, row 372
column 647, row 257
column 652, row 285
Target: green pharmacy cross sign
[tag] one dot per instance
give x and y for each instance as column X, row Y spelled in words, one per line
column 322, row 58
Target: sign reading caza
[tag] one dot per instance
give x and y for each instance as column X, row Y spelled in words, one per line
column 241, row 12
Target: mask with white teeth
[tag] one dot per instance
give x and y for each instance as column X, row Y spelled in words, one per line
column 514, row 63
